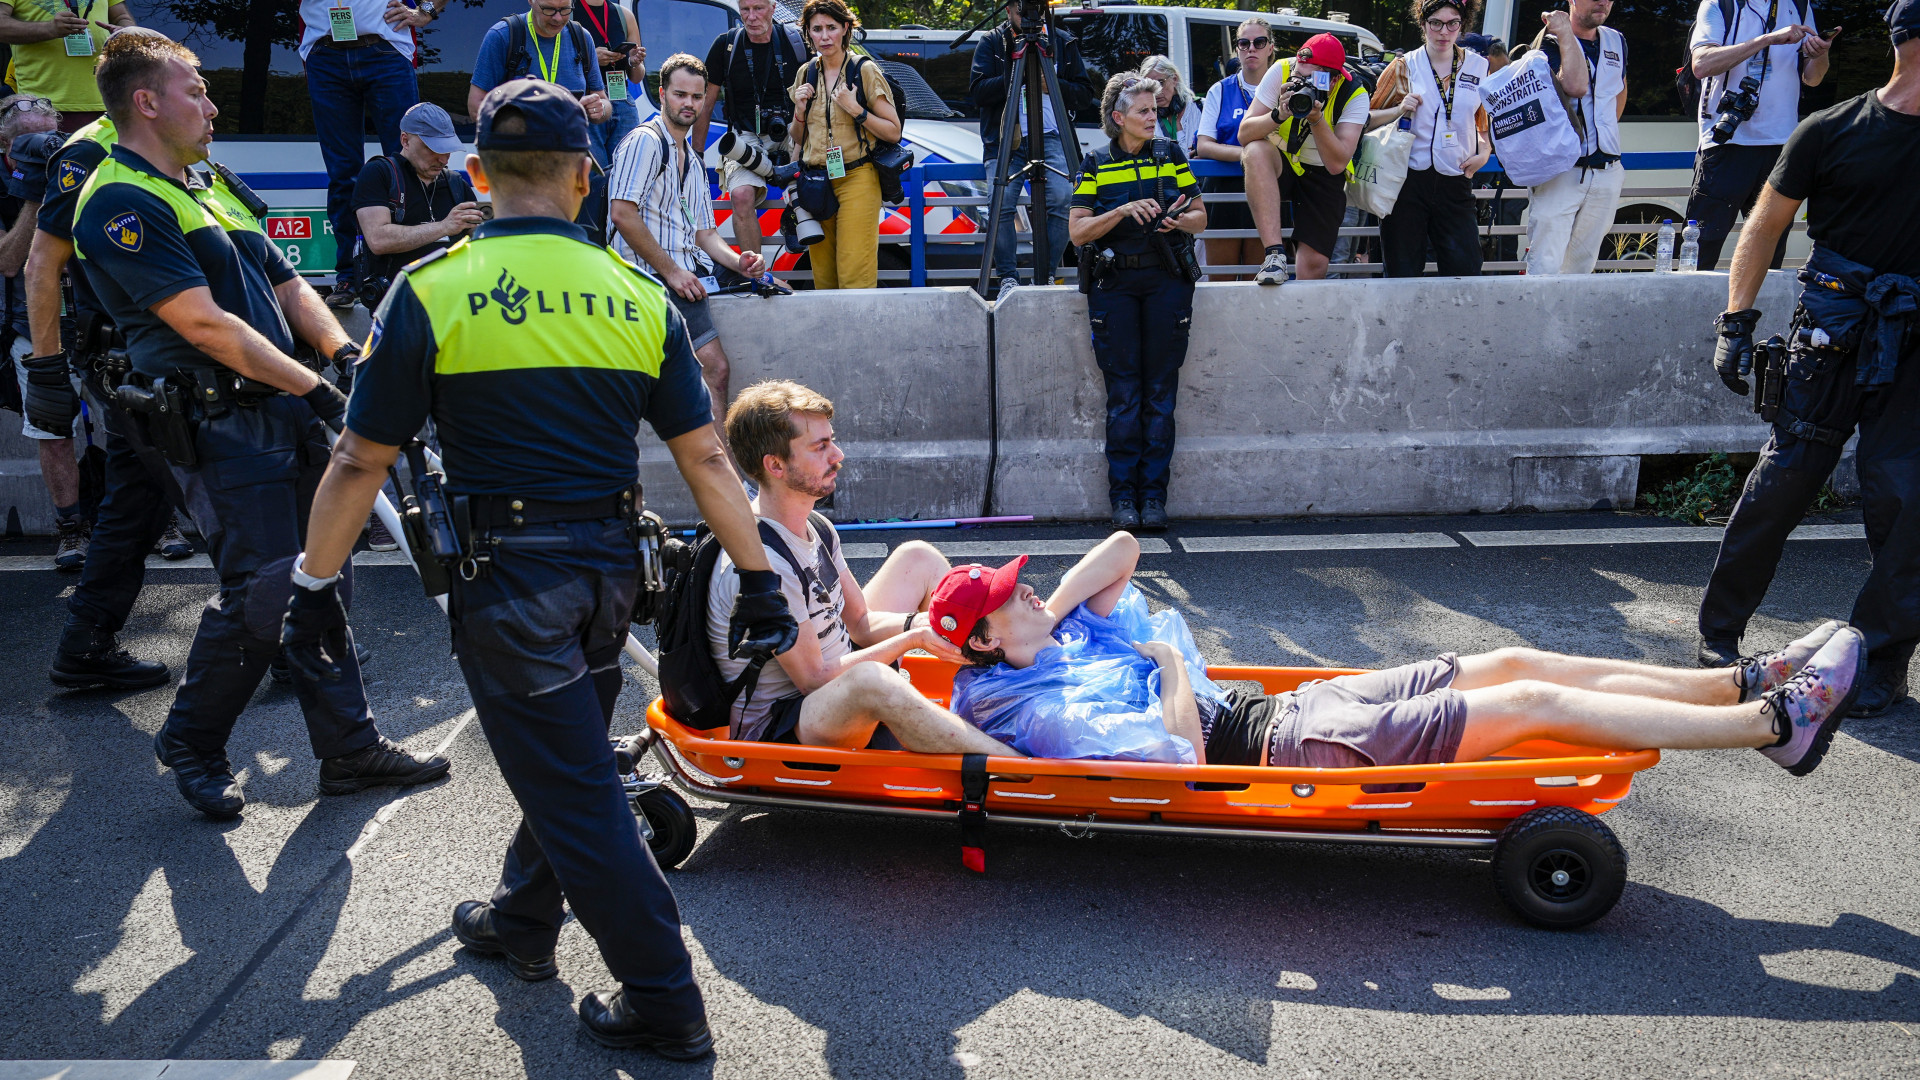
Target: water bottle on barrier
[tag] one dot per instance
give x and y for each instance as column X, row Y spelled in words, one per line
column 1690, row 246
column 1663, row 248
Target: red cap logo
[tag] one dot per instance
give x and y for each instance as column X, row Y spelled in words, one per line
column 968, row 594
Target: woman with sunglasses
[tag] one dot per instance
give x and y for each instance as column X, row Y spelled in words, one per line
column 1219, row 139
column 1435, row 93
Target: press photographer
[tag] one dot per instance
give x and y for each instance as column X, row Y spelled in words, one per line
column 1299, row 137
column 752, row 64
column 1751, row 68
column 1851, row 359
column 410, row 205
column 1136, row 210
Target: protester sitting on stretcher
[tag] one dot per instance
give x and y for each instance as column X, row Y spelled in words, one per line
column 835, row 686
column 1088, row 674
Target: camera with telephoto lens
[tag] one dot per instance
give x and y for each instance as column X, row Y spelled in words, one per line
column 807, row 231
column 1736, row 108
column 1304, row 95
column 773, row 125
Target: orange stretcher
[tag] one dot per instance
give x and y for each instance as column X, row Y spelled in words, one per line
column 1554, row 862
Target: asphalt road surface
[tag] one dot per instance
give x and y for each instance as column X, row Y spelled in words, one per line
column 1769, row 927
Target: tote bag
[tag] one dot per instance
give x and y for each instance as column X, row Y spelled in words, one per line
column 1380, row 169
column 1531, row 131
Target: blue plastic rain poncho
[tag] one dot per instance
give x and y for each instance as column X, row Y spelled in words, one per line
column 1093, row 696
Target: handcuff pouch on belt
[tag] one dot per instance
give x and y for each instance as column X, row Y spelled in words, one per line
column 427, row 519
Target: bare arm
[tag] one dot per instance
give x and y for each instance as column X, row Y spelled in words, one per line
column 17, row 31
column 354, row 474
column 718, row 495
column 229, row 340
column 308, row 317
column 1098, row 579
column 1711, row 60
column 626, row 218
column 1336, row 143
column 1084, row 226
column 722, row 253
column 44, row 263
column 475, row 96
column 1257, row 124
column 1772, row 217
column 1179, row 711
column 810, row 671
column 120, row 15
column 18, row 240
column 1813, row 71
column 1573, row 77
column 1214, row 150
column 385, row 237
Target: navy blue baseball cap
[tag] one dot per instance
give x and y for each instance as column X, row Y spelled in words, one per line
column 554, row 119
column 1903, row 20
column 1479, row 43
column 27, row 180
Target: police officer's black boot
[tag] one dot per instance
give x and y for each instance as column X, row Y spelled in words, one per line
column 473, row 925
column 383, row 764
column 205, row 780
column 1719, row 652
column 89, row 656
column 1886, row 682
column 612, row 1020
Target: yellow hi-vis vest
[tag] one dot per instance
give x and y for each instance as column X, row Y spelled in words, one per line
column 1282, row 137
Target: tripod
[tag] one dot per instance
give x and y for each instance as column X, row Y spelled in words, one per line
column 1031, row 82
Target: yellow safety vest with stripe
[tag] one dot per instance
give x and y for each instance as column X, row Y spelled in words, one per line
column 565, row 307
column 212, row 207
column 1282, row 137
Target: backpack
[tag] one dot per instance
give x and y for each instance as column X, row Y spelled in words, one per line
column 791, row 51
column 855, row 62
column 520, row 60
column 1685, row 82
column 690, row 680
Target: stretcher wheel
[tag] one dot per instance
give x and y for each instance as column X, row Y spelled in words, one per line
column 1559, row 868
column 674, row 828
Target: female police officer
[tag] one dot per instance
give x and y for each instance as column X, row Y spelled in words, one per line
column 1140, row 298
column 538, row 355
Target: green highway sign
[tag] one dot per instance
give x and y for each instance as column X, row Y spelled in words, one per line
column 306, row 236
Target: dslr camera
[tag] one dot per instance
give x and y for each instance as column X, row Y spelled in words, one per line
column 1307, row 92
column 1736, row 108
column 806, row 230
column 773, row 124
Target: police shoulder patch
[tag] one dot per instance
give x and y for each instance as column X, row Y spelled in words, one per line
column 71, row 176
column 125, row 231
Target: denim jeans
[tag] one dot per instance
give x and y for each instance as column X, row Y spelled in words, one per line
column 606, row 137
column 348, row 86
column 1006, row 251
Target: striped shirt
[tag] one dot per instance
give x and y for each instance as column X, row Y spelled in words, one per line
column 673, row 201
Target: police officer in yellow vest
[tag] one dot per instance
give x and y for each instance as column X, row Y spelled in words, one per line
column 209, row 309
column 538, row 356
column 1305, row 160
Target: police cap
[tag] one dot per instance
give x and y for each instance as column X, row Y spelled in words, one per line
column 30, row 153
column 1903, row 20
column 554, row 119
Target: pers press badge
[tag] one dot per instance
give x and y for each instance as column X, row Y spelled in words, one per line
column 343, row 29
column 836, row 164
column 80, row 44
column 616, row 86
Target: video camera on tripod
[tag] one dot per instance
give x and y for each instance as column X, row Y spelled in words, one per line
column 805, row 231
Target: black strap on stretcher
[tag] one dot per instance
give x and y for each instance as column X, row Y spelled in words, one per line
column 973, row 814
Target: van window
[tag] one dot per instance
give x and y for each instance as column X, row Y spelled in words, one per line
column 266, row 94
column 1209, row 54
column 945, row 69
column 1111, row 43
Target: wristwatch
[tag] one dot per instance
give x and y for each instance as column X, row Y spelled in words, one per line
column 432, row 9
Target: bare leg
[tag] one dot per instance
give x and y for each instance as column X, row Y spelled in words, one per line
column 715, row 371
column 745, row 201
column 845, row 711
column 906, row 580
column 1712, row 686
column 1500, row 716
column 1262, row 165
column 60, row 471
column 1308, row 264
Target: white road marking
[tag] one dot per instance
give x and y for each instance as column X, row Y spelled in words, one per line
column 863, row 551
column 1658, row 535
column 1321, row 542
column 176, row 1070
column 196, row 562
column 1151, row 545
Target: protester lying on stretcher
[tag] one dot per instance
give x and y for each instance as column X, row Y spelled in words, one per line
column 1089, row 674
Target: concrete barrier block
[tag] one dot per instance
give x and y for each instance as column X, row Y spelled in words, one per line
column 907, row 372
column 1375, row 396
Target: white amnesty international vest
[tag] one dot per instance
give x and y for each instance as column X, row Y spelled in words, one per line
column 1432, row 149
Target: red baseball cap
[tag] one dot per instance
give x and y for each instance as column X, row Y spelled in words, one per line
column 968, row 594
column 1324, row 50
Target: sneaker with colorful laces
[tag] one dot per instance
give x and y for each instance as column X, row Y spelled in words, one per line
column 1755, row 675
column 1807, row 708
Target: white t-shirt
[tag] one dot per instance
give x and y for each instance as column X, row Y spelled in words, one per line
column 1210, row 112
column 819, row 611
column 369, row 17
column 1268, row 96
column 1779, row 111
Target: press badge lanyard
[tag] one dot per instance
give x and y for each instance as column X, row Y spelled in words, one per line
column 81, row 43
column 836, row 158
column 550, row 73
column 667, row 146
column 340, row 23
column 616, row 80
column 1764, row 61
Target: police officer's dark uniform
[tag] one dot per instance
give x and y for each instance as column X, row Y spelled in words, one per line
column 135, row 510
column 1141, row 309
column 1852, row 363
column 538, row 355
column 251, row 459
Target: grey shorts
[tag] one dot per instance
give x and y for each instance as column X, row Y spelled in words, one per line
column 1407, row 715
column 699, row 321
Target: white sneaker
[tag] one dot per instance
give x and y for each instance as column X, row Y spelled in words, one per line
column 1274, row 270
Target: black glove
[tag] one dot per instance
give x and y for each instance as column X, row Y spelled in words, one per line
column 329, row 404
column 49, row 400
column 1733, row 355
column 761, row 624
column 345, row 356
column 313, row 637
